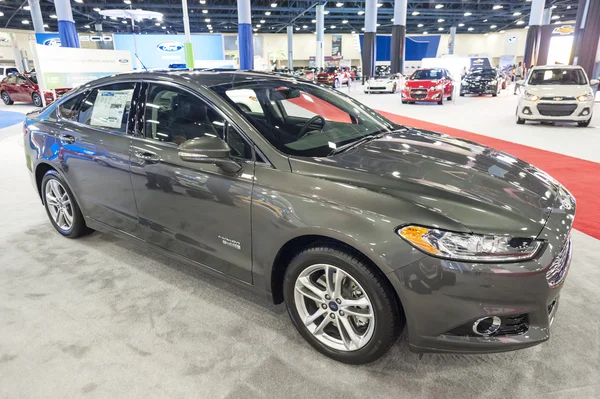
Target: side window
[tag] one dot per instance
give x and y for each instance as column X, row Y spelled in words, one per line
column 21, row 80
column 12, row 79
column 68, row 109
column 11, row 70
column 174, row 116
column 107, row 107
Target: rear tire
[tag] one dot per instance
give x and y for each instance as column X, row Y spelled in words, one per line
column 584, row 123
column 6, row 98
column 37, row 100
column 344, row 334
column 58, row 199
column 441, row 102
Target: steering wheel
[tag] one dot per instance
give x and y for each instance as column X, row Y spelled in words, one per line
column 304, row 130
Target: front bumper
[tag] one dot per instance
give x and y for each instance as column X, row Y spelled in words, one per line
column 542, row 110
column 422, row 95
column 440, row 296
column 379, row 87
column 478, row 89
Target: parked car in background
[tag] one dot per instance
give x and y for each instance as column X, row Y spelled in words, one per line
column 6, row 70
column 383, row 84
column 334, row 76
column 24, row 88
column 481, row 81
column 428, row 84
column 361, row 226
column 556, row 93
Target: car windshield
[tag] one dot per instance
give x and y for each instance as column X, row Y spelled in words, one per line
column 484, row 73
column 331, row 70
column 427, row 74
column 33, row 78
column 303, row 119
column 557, row 76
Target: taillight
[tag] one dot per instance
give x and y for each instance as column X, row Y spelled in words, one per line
column 25, row 130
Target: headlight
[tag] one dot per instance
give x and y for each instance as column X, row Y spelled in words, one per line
column 406, row 88
column 434, row 88
column 585, row 97
column 531, row 97
column 469, row 247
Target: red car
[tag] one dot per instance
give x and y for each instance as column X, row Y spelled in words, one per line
column 333, row 77
column 24, row 87
column 429, row 84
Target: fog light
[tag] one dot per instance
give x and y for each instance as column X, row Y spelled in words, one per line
column 486, row 325
column 585, row 112
column 526, row 111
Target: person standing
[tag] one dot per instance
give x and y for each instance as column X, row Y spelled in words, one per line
column 518, row 75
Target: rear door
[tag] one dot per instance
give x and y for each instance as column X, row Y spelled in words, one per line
column 23, row 90
column 95, row 139
column 11, row 87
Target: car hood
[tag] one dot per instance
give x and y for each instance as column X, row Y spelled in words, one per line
column 479, row 78
column 484, row 190
column 426, row 84
column 558, row 90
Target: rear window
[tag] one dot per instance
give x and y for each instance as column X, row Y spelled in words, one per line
column 558, row 76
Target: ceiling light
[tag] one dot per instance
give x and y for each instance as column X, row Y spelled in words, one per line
column 493, row 27
column 97, row 9
column 313, row 21
column 78, row 1
column 468, row 14
column 345, row 21
column 470, row 29
column 502, row 31
column 204, row 11
column 354, row 32
column 255, row 30
column 485, row 20
column 568, row 7
column 304, row 26
column 262, row 21
column 157, row 23
column 379, row 5
column 441, row 20
column 438, row 6
column 326, row 12
column 25, row 22
column 415, row 13
column 497, row 7
column 440, row 29
column 555, row 17
column 273, row 5
column 392, row 19
column 486, row 34
column 163, row 27
column 516, row 14
column 520, row 22
column 124, row 21
column 258, row 25
column 267, row 12
column 527, row 27
column 461, row 25
column 297, row 28
column 362, row 28
column 86, row 26
column 127, row 1
column 339, row 4
column 202, row 1
column 53, row 16
column 425, row 32
column 378, row 25
column 211, row 31
column 360, row 12
column 420, row 26
column 207, row 20
column 332, row 26
column 45, row 25
column 553, row 7
column 558, row 23
column 26, row 8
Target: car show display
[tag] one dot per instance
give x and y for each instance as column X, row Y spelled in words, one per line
column 428, row 85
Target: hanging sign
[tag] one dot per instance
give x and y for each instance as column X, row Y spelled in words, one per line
column 336, row 45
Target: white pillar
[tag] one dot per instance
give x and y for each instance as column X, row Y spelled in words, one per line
column 400, row 12
column 36, row 16
column 290, row 37
column 320, row 61
column 371, row 16
column 536, row 16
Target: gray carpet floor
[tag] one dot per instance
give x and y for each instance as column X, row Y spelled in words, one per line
column 100, row 318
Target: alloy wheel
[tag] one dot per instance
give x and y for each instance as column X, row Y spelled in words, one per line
column 59, row 205
column 5, row 98
column 334, row 307
column 37, row 100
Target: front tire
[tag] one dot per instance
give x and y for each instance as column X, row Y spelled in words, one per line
column 6, row 98
column 336, row 84
column 37, row 99
column 340, row 305
column 61, row 206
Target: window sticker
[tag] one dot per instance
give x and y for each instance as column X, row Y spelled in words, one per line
column 109, row 108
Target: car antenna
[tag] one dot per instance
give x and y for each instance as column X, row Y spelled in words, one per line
column 140, row 60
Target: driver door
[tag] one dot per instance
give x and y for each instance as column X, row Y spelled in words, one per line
column 193, row 209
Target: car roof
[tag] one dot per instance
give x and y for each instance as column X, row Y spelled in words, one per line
column 557, row 66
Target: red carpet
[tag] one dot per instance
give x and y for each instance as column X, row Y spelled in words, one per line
column 581, row 177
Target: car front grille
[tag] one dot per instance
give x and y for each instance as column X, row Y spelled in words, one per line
column 419, row 93
column 560, row 265
column 557, row 98
column 556, row 109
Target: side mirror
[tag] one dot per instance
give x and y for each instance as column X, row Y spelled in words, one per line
column 594, row 82
column 211, row 150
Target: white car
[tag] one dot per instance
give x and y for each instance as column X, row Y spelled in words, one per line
column 245, row 99
column 383, row 84
column 554, row 93
column 6, row 70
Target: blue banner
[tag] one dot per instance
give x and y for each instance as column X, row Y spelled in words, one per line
column 245, row 46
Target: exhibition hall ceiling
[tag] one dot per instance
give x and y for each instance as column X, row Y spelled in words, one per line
column 270, row 16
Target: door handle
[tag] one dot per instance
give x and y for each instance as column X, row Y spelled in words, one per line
column 67, row 138
column 147, row 156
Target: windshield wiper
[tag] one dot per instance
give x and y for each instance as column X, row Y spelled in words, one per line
column 358, row 142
